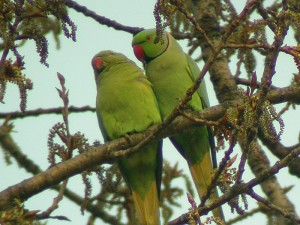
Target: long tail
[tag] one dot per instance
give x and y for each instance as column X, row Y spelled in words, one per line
column 147, row 207
column 201, row 174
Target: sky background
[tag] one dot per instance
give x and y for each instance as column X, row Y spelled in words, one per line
column 73, row 60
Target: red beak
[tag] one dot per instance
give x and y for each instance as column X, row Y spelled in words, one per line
column 97, row 63
column 138, row 52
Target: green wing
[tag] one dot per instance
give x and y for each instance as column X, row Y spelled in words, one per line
column 194, row 72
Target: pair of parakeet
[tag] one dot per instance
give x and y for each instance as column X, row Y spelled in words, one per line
column 128, row 102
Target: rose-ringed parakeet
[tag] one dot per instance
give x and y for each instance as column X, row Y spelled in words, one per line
column 171, row 73
column 126, row 104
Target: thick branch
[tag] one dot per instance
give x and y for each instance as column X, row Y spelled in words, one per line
column 10, row 146
column 287, row 94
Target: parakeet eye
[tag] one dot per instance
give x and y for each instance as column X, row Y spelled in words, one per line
column 97, row 63
column 148, row 38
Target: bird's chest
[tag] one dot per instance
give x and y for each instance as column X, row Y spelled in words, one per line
column 169, row 85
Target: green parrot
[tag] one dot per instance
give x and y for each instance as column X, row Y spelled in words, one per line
column 171, row 73
column 126, row 104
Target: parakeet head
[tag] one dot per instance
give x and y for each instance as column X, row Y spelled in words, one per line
column 105, row 59
column 146, row 46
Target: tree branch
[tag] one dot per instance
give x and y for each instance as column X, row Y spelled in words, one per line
column 283, row 211
column 280, row 151
column 258, row 162
column 242, row 188
column 11, row 147
column 101, row 19
column 40, row 111
column 103, row 154
column 244, row 216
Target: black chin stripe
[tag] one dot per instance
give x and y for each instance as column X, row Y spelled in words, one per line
column 148, row 59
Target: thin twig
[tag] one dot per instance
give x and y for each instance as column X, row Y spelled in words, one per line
column 276, row 208
column 191, row 117
column 196, row 25
column 264, row 13
column 101, row 19
column 46, row 214
column 218, row 173
column 247, row 82
column 244, row 216
column 40, row 112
